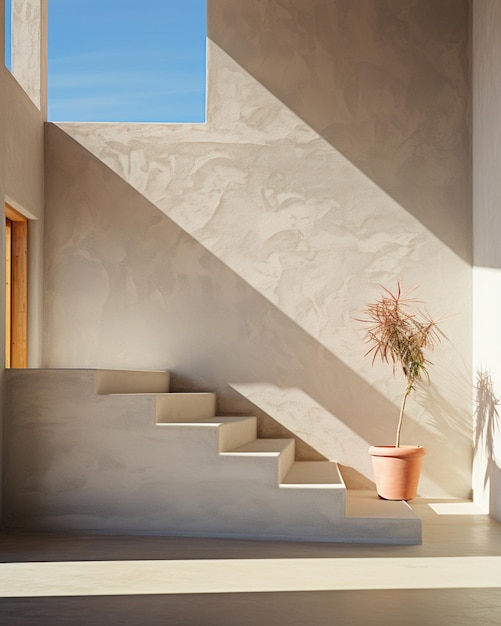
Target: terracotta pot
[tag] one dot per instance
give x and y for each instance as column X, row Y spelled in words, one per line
column 397, row 470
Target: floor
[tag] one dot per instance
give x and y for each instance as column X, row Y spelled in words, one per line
column 453, row 578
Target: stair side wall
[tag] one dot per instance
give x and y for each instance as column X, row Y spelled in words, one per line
column 77, row 461
column 80, row 461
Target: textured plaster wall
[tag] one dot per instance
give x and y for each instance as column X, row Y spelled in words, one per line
column 29, row 49
column 22, row 186
column 385, row 83
column 22, row 155
column 487, row 251
column 239, row 252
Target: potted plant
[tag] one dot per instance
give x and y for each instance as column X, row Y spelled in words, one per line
column 400, row 335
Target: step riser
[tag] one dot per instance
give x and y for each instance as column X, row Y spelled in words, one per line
column 281, row 451
column 237, row 434
column 179, row 407
column 263, row 470
column 285, row 461
column 129, row 381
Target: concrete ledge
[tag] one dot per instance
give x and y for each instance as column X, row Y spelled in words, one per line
column 131, row 381
column 314, row 474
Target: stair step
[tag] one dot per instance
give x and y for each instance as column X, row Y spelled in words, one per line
column 363, row 503
column 281, row 449
column 179, row 407
column 263, row 447
column 372, row 520
column 131, row 381
column 313, row 475
column 234, row 431
column 217, row 420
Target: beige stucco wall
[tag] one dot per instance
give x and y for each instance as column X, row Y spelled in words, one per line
column 22, row 186
column 22, row 151
column 29, row 49
column 487, row 250
column 239, row 252
column 385, row 83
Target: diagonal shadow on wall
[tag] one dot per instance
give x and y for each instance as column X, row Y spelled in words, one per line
column 385, row 83
column 127, row 287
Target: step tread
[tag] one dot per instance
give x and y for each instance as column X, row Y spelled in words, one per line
column 135, row 393
column 188, row 393
column 361, row 503
column 313, row 474
column 163, row 394
column 268, row 447
column 211, row 421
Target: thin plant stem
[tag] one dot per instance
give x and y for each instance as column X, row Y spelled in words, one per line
column 408, row 389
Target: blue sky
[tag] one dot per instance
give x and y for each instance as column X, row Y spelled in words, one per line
column 124, row 60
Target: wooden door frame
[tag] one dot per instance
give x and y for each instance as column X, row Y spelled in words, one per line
column 16, row 347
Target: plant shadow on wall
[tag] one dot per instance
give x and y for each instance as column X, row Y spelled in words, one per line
column 128, row 288
column 449, row 424
column 387, row 84
column 487, row 423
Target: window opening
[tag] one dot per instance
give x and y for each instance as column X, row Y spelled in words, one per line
column 123, row 60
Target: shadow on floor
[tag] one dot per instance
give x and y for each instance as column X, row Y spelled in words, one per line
column 461, row 607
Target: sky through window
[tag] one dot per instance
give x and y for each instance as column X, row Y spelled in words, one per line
column 7, row 39
column 123, row 60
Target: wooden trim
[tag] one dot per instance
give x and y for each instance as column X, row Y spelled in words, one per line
column 8, row 289
column 14, row 215
column 18, row 300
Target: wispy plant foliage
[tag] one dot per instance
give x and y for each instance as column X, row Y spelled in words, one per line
column 400, row 334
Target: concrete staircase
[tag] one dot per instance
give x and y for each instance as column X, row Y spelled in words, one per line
column 132, row 457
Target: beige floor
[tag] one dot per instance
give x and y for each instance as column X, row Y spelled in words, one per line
column 454, row 578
